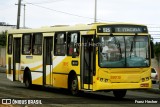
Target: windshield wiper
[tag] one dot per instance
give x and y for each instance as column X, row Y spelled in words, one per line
column 118, row 45
column 131, row 50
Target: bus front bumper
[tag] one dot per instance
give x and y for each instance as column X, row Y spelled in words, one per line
column 113, row 86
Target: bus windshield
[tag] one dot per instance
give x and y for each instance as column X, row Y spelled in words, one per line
column 123, row 51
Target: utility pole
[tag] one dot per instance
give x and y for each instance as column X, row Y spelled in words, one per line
column 18, row 14
column 24, row 20
column 24, row 15
column 95, row 14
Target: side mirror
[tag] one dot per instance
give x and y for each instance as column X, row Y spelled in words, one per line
column 152, row 49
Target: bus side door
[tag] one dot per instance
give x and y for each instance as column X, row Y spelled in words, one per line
column 47, row 60
column 16, row 58
column 87, row 61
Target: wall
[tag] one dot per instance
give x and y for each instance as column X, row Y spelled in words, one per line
column 2, row 56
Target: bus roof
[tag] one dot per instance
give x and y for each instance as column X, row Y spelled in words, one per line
column 65, row 28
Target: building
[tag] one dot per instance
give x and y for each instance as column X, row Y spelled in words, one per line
column 3, row 28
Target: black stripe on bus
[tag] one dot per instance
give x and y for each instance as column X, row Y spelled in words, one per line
column 62, row 73
column 37, row 71
column 59, row 73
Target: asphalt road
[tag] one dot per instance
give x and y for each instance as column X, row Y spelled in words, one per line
column 52, row 97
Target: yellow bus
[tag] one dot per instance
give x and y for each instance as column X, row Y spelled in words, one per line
column 86, row 57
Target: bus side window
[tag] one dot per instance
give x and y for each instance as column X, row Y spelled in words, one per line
column 26, row 44
column 73, row 43
column 10, row 39
column 60, row 44
column 37, row 44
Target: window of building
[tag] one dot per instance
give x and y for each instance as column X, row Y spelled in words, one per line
column 26, row 44
column 73, row 40
column 37, row 44
column 10, row 39
column 60, row 44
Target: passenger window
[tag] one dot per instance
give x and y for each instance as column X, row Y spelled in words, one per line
column 10, row 39
column 60, row 44
column 37, row 44
column 26, row 44
column 73, row 39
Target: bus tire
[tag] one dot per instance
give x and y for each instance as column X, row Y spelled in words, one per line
column 73, row 85
column 119, row 93
column 27, row 79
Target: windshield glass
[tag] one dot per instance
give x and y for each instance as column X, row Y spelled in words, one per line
column 123, row 51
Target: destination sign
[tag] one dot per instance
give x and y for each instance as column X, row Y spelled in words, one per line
column 128, row 29
column 122, row 29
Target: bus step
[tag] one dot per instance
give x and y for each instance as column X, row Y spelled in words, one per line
column 48, row 86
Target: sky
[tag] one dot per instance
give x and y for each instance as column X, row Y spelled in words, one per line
column 40, row 13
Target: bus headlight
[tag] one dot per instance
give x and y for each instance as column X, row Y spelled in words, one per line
column 143, row 79
column 106, row 80
column 147, row 78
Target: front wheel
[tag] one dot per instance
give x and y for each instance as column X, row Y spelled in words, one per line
column 73, row 85
column 119, row 93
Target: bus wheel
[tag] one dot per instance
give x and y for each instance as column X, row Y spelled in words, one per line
column 28, row 82
column 119, row 93
column 73, row 87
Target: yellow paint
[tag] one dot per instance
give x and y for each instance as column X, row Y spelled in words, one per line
column 49, row 79
column 38, row 81
column 65, row 66
column 60, row 80
column 35, row 68
column 88, row 86
column 109, row 86
column 33, row 61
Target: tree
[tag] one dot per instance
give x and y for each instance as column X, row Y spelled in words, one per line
column 3, row 39
column 157, row 51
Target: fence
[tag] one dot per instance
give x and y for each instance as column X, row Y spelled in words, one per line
column 2, row 56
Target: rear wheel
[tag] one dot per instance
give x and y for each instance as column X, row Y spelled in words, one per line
column 119, row 93
column 28, row 83
column 27, row 79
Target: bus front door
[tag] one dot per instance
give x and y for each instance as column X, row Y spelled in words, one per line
column 16, row 59
column 47, row 60
column 87, row 60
